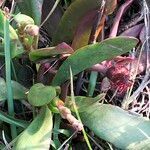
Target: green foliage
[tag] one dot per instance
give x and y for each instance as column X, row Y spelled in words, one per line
column 111, row 123
column 23, row 20
column 89, row 55
column 31, row 8
column 71, row 17
column 7, row 50
column 13, row 34
column 19, row 92
column 38, row 134
column 40, row 95
column 83, row 102
column 2, row 89
column 16, row 46
column 11, row 120
column 48, row 52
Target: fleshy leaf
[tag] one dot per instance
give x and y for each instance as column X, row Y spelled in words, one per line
column 83, row 102
column 16, row 46
column 23, row 20
column 38, row 134
column 13, row 34
column 83, row 31
column 40, row 95
column 47, row 52
column 111, row 123
column 31, row 8
column 90, row 55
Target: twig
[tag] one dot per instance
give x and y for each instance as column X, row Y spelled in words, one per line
column 5, row 141
column 144, row 83
column 13, row 5
column 66, row 141
column 146, row 79
column 147, row 26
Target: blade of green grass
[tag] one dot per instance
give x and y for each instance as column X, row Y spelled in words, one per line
column 8, row 119
column 92, row 83
column 56, row 127
column 8, row 75
column 76, row 111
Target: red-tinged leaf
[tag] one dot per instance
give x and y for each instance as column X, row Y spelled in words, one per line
column 83, row 31
column 43, row 53
column 73, row 15
column 134, row 31
column 143, row 34
column 90, row 55
column 64, row 48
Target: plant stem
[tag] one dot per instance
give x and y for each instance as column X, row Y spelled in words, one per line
column 92, row 83
column 76, row 111
column 56, row 127
column 14, row 71
column 8, row 76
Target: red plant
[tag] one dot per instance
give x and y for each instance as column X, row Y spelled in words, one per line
column 119, row 74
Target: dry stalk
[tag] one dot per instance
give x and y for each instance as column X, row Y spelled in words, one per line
column 66, row 114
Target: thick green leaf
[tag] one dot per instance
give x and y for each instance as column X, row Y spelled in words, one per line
column 89, row 55
column 16, row 49
column 19, row 92
column 13, row 34
column 83, row 31
column 23, row 20
column 40, row 95
column 73, row 15
column 8, row 119
column 31, row 8
column 16, row 46
column 83, row 102
column 48, row 52
column 38, row 134
column 111, row 123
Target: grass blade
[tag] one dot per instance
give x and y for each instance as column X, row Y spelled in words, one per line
column 8, row 119
column 76, row 111
column 8, row 75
